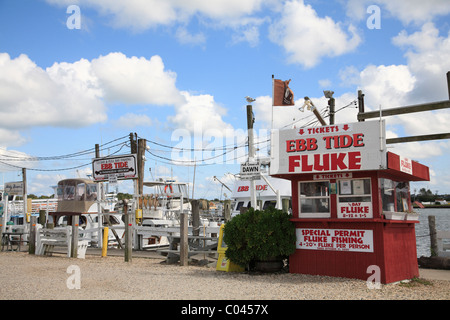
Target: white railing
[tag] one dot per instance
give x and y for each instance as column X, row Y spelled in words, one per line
column 443, row 237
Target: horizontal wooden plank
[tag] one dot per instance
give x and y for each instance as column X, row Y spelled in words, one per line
column 428, row 137
column 404, row 110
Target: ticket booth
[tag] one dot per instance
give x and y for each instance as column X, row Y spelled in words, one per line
column 350, row 200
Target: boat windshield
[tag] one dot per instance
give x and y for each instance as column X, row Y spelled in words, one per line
column 70, row 190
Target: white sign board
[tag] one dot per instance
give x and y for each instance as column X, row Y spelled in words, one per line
column 405, row 165
column 250, row 171
column 14, row 188
column 116, row 167
column 335, row 239
column 354, row 210
column 336, row 148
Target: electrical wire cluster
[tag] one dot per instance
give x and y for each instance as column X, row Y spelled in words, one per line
column 9, row 159
column 116, row 145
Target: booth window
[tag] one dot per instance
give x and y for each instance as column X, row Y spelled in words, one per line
column 314, row 199
column 356, row 190
column 394, row 195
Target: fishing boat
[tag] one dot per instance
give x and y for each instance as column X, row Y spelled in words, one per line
column 87, row 199
column 266, row 189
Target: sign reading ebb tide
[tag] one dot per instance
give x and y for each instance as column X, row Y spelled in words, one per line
column 116, row 167
column 341, row 147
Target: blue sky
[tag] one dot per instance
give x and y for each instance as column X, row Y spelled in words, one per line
column 176, row 73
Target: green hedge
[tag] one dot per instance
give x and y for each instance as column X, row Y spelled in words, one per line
column 258, row 236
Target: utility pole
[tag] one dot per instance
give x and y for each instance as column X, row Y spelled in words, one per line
column 448, row 84
column 251, row 152
column 331, row 103
column 25, row 198
column 360, row 103
column 133, row 143
column 99, row 206
column 142, row 144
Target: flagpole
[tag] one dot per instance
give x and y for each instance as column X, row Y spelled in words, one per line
column 273, row 99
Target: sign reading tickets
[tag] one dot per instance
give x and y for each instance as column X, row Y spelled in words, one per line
column 335, row 148
column 335, row 239
column 116, row 167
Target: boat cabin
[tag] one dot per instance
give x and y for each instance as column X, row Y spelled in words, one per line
column 75, row 197
column 265, row 196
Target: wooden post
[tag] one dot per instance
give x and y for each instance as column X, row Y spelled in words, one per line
column 128, row 232
column 227, row 210
column 332, row 103
column 74, row 240
column 32, row 237
column 195, row 217
column 42, row 217
column 141, row 165
column 99, row 206
column 448, row 84
column 25, row 202
column 360, row 104
column 433, row 238
column 184, row 239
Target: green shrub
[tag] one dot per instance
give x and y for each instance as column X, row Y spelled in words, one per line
column 258, row 236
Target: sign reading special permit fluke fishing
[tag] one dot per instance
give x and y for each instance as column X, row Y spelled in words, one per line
column 334, row 148
column 335, row 239
column 116, row 167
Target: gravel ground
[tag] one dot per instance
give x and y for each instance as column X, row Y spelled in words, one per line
column 25, row 276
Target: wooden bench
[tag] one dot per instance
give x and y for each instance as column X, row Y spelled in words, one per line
column 194, row 247
column 48, row 239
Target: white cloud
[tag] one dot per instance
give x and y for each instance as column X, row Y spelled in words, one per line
column 388, row 86
column 144, row 14
column 31, row 96
column 407, row 11
column 199, row 114
column 307, row 38
column 10, row 137
column 131, row 120
column 13, row 160
column 73, row 94
column 136, row 80
column 184, row 37
column 428, row 56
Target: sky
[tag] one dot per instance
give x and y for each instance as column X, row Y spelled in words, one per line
column 176, row 72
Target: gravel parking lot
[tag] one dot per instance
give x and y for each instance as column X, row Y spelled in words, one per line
column 27, row 276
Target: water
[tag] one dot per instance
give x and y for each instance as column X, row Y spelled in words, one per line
column 423, row 231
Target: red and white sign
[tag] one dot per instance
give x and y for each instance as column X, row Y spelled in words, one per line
column 117, row 167
column 336, row 148
column 335, row 239
column 405, row 165
column 354, row 210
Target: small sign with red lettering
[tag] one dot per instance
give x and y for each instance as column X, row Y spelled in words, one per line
column 405, row 165
column 335, row 239
column 354, row 210
column 117, row 167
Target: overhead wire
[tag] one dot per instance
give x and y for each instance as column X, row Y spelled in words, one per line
column 5, row 158
column 62, row 157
